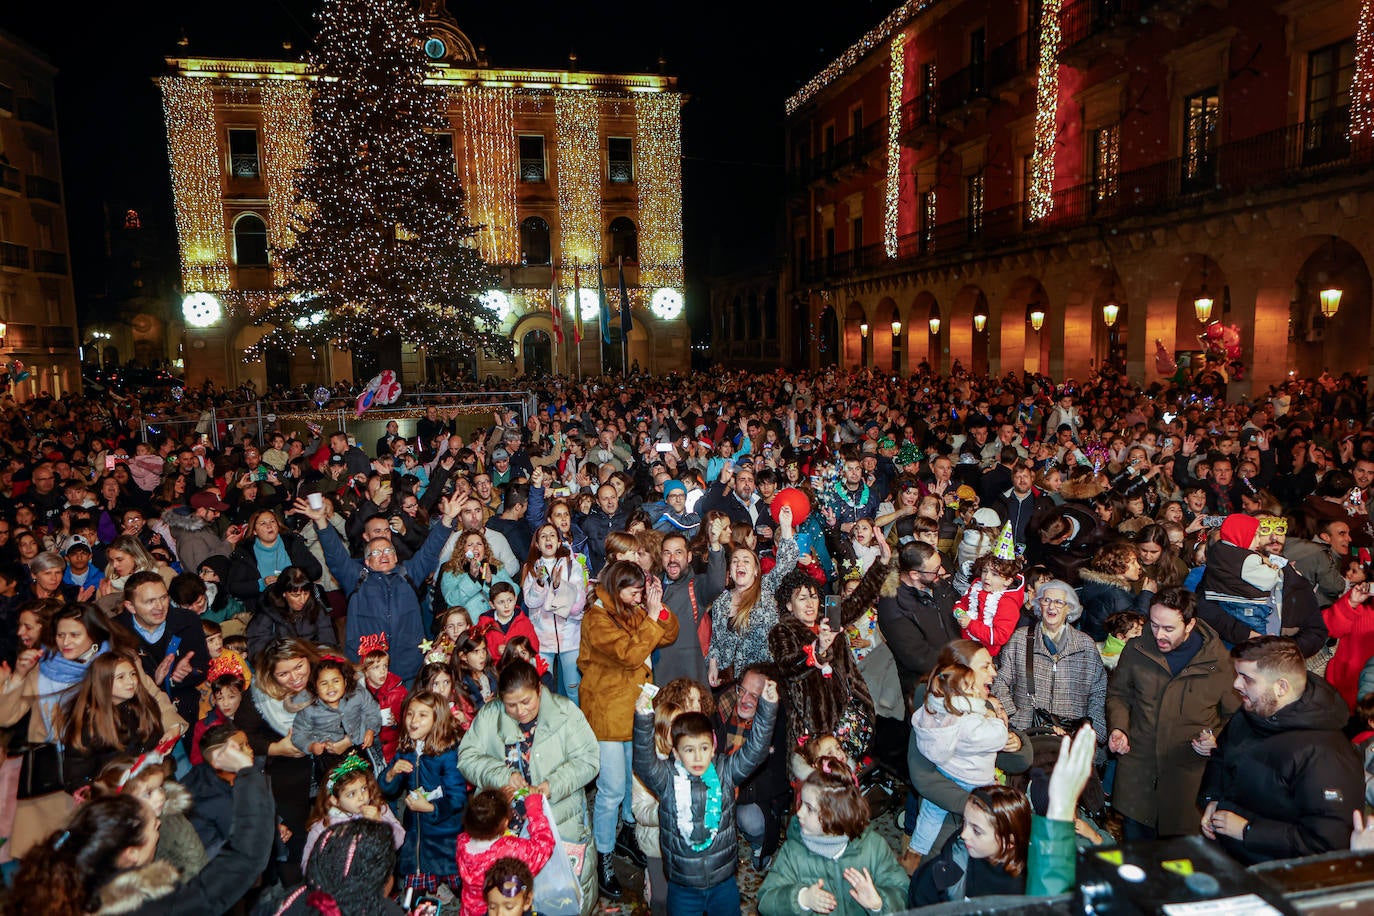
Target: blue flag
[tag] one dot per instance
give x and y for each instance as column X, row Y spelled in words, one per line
column 605, row 306
column 626, row 322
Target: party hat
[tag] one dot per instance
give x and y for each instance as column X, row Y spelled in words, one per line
column 1006, row 544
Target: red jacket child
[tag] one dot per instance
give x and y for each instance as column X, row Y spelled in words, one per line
column 475, row 857
column 497, row 634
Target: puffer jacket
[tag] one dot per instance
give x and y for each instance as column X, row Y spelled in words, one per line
column 1293, row 775
column 796, row 867
column 386, row 602
column 194, row 539
column 717, row 862
column 431, row 837
column 1102, row 595
column 1160, row 713
column 614, row 662
column 1071, row 684
column 597, row 524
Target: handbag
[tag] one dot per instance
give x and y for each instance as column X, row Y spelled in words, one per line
column 557, row 886
column 1044, row 722
column 40, row 773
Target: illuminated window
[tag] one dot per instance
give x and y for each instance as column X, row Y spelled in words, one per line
column 243, row 153
column 927, row 200
column 534, row 240
column 1106, row 160
column 250, row 241
column 533, row 167
column 1327, row 114
column 620, row 168
column 973, row 199
column 1201, row 116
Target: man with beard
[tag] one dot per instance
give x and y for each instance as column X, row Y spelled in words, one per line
column 689, row 597
column 764, row 797
column 1283, row 779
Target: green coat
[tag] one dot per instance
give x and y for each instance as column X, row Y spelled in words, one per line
column 796, row 867
column 565, row 754
column 1157, row 782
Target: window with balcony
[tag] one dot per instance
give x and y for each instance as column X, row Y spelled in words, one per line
column 1201, row 117
column 977, row 60
column 927, row 210
column 535, row 247
column 973, row 200
column 624, row 239
column 1106, row 161
column 856, row 233
column 856, row 121
column 828, row 136
column 1327, row 112
column 243, row 153
column 533, row 168
column 620, row 162
column 250, row 241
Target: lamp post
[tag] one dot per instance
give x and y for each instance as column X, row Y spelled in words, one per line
column 1037, row 320
column 1202, row 304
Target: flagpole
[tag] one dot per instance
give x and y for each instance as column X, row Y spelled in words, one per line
column 577, row 316
column 555, row 317
column 624, row 308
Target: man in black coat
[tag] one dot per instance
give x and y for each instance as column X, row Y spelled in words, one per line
column 170, row 641
column 1019, row 503
column 918, row 621
column 765, row 796
column 1283, row 779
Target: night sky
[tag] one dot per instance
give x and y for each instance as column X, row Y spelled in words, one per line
column 737, row 60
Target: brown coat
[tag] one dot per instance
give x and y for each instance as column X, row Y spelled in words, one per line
column 1157, row 781
column 614, row 661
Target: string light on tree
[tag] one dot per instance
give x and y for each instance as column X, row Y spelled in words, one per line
column 382, row 244
column 1041, row 197
column 1362, row 83
column 896, row 75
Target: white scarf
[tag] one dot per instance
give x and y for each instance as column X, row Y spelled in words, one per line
column 982, row 604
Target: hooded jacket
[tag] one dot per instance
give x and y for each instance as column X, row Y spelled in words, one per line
column 1102, row 595
column 615, row 662
column 194, row 539
column 1293, row 775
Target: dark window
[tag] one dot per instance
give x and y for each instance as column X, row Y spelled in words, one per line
column 243, row 153
column 803, row 149
column 624, row 239
column 856, row 232
column 250, row 241
column 977, row 59
column 1201, row 116
column 974, row 201
column 856, row 122
column 620, row 166
column 534, row 240
column 1326, row 131
column 829, row 137
column 532, row 166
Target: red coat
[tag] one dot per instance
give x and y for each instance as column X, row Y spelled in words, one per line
column 497, row 636
column 534, row 852
column 992, row 636
column 1354, row 627
column 391, row 696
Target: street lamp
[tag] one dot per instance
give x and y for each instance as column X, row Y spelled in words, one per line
column 980, row 321
column 863, row 328
column 1202, row 305
column 1110, row 311
column 934, row 326
column 896, row 328
column 1037, row 320
column 1331, row 301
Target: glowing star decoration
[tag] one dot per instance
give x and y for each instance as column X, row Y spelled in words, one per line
column 894, row 145
column 1362, row 83
column 1041, row 195
column 201, row 310
column 591, row 306
column 666, row 303
column 497, row 302
column 383, row 389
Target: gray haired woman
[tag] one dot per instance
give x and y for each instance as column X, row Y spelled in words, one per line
column 1065, row 677
column 47, row 570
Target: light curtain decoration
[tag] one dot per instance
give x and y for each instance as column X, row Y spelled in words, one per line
column 576, row 117
column 489, row 167
column 1362, row 83
column 658, row 176
column 193, row 145
column 894, row 145
column 285, row 133
column 1041, row 195
column 855, row 52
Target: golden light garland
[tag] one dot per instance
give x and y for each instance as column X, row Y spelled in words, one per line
column 658, row 176
column 1041, row 194
column 928, row 215
column 489, row 167
column 577, row 122
column 1108, row 152
column 285, row 136
column 873, row 39
column 1362, row 83
column 895, row 78
column 188, row 106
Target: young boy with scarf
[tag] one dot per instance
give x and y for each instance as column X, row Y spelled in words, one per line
column 696, row 811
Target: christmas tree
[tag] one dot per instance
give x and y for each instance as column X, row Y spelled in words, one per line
column 383, row 247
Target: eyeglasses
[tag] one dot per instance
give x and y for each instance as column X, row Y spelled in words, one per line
column 1272, row 526
column 1056, row 603
column 381, row 552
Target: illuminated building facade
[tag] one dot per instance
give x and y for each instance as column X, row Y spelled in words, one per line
column 37, row 302
column 569, row 173
column 1045, row 184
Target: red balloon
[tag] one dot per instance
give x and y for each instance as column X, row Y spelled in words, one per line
column 801, row 506
column 1214, row 330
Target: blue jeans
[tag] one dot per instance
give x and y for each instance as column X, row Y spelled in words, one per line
column 565, row 666
column 612, row 793
column 695, row 901
column 1254, row 616
column 931, row 819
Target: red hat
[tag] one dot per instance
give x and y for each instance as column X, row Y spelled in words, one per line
column 705, row 442
column 208, row 499
column 1239, row 530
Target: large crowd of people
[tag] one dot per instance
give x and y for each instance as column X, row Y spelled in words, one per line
column 658, row 627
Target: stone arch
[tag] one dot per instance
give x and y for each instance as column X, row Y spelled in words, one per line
column 529, row 326
column 826, row 333
column 256, row 372
column 1201, row 276
column 641, row 346
column 250, row 240
column 856, row 343
column 888, row 352
column 1109, row 341
column 1027, row 295
column 1340, row 343
column 967, row 345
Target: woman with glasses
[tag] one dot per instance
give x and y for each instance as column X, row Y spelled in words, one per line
column 1065, row 678
column 266, row 551
column 289, row 608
